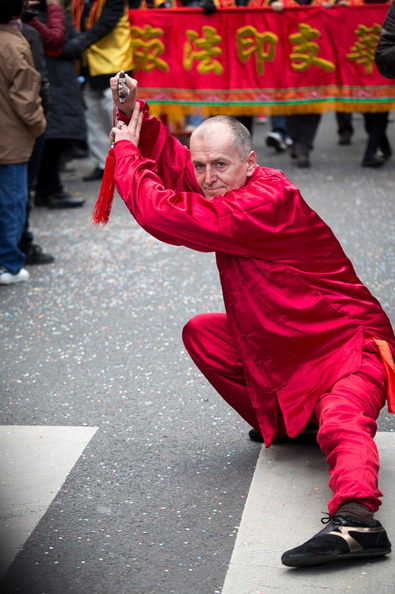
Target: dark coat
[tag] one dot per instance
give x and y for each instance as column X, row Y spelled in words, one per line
column 33, row 38
column 385, row 53
column 67, row 117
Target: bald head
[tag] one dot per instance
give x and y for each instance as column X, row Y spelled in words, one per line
column 239, row 135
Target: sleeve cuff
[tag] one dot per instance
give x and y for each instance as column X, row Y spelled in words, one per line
column 121, row 117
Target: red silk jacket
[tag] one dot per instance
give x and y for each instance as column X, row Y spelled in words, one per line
column 296, row 308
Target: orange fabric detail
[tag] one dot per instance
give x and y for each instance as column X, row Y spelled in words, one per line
column 94, row 14
column 389, row 366
column 77, row 9
column 76, row 13
column 258, row 3
column 224, row 3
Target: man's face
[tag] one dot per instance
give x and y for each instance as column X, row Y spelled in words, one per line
column 217, row 165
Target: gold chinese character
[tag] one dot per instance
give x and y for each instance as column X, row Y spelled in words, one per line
column 203, row 50
column 364, row 49
column 249, row 42
column 146, row 49
column 305, row 51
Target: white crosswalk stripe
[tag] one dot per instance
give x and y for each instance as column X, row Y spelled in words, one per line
column 34, row 463
column 288, row 494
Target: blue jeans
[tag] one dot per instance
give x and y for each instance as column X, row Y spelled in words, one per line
column 278, row 124
column 13, row 200
column 27, row 237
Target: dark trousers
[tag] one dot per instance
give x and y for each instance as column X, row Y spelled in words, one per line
column 247, row 121
column 48, row 179
column 376, row 126
column 344, row 122
column 302, row 128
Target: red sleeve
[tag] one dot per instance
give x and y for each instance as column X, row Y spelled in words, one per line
column 245, row 222
column 262, row 219
column 175, row 217
column 53, row 34
column 172, row 158
column 266, row 218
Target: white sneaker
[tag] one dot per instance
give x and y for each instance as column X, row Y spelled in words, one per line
column 274, row 139
column 6, row 278
column 288, row 141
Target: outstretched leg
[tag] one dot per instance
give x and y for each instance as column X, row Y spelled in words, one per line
column 347, row 419
column 347, row 426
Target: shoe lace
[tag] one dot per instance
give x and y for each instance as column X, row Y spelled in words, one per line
column 329, row 518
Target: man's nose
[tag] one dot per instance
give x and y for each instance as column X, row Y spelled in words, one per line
column 209, row 175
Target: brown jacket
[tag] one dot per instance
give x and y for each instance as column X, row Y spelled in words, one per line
column 22, row 116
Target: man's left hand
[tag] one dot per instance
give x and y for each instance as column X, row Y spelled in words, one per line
column 128, row 104
column 129, row 131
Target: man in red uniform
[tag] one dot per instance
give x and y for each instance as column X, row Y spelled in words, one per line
column 302, row 341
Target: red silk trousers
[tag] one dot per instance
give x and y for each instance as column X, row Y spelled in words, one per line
column 346, row 415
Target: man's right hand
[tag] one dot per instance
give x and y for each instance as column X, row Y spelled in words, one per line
column 127, row 106
column 129, row 131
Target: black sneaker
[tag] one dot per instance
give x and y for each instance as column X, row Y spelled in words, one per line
column 303, row 161
column 36, row 256
column 343, row 538
column 345, row 138
column 373, row 161
column 41, row 199
column 58, row 200
column 254, row 435
column 94, row 175
column 64, row 200
column 307, row 437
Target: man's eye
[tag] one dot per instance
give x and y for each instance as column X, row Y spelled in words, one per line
column 199, row 167
column 220, row 165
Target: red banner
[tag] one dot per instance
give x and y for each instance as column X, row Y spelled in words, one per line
column 248, row 61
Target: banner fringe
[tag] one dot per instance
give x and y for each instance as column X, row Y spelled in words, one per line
column 175, row 115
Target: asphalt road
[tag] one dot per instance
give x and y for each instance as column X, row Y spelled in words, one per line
column 154, row 503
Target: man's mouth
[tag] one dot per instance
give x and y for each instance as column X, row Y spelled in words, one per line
column 214, row 190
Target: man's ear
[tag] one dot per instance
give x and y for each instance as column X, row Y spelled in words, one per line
column 251, row 162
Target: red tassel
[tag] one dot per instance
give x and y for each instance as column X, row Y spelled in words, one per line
column 102, row 209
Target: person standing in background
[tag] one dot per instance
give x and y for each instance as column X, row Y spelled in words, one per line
column 34, row 253
column 385, row 52
column 104, row 45
column 378, row 149
column 66, row 121
column 22, row 121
